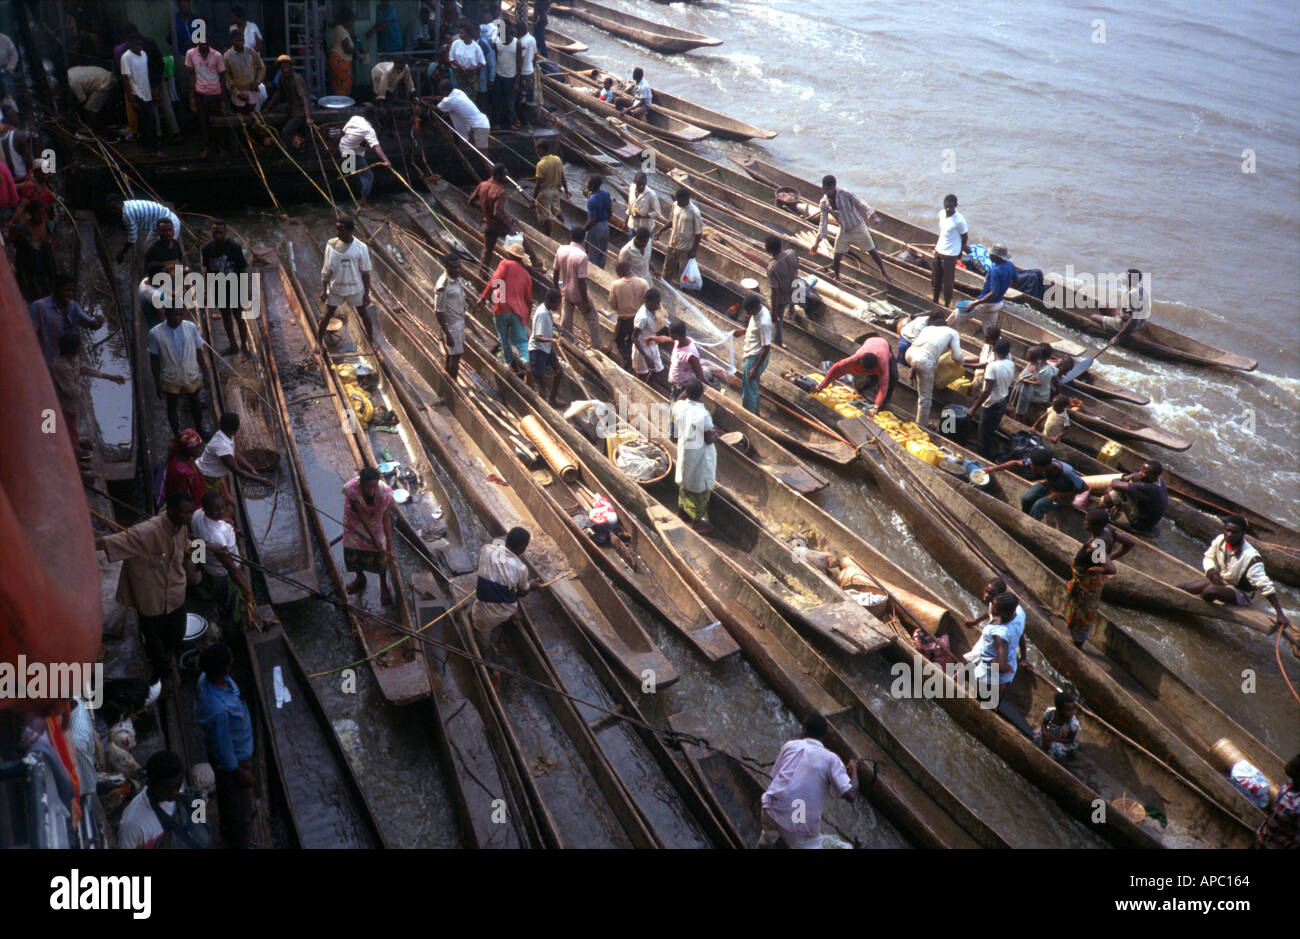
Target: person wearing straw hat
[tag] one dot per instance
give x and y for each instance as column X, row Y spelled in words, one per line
column 988, row 305
column 511, row 289
column 292, row 93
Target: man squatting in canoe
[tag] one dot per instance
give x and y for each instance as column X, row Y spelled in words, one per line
column 1234, row 574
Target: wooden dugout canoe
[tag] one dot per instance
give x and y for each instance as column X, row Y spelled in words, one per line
column 1114, row 673
column 658, row 122
column 328, row 456
column 717, row 123
column 110, row 407
column 429, row 516
column 735, row 791
column 326, row 803
column 652, row 35
column 1153, row 339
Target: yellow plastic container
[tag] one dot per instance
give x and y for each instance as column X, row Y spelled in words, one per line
column 961, row 386
column 1109, row 453
column 886, row 419
column 923, row 450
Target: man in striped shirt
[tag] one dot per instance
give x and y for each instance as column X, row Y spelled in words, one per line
column 852, row 215
column 140, row 216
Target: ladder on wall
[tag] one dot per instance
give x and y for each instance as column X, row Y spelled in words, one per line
column 304, row 22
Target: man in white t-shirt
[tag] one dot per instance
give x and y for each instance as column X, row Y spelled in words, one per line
column 923, row 356
column 755, row 352
column 387, row 77
column 527, row 68
column 359, row 136
column 252, row 35
column 504, row 86
column 1133, row 311
column 804, row 775
column 646, row 361
column 141, row 826
column 219, row 460
column 542, row 360
column 998, row 376
column 642, row 96
column 135, row 77
column 223, row 577
column 466, row 118
column 948, row 249
column 345, row 277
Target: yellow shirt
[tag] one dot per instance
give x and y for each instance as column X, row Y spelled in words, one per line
column 550, row 172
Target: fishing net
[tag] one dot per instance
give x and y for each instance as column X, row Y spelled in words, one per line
column 642, row 460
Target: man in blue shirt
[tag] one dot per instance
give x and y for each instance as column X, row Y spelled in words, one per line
column 988, row 304
column 1060, row 483
column 599, row 205
column 228, row 731
column 57, row 315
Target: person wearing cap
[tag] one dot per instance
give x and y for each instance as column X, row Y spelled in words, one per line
column 852, row 214
column 292, row 93
column 948, row 249
column 988, row 305
column 511, row 289
column 697, row 456
column 1234, row 573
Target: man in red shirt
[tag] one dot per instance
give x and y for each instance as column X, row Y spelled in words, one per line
column 876, row 367
column 491, row 198
column 511, row 290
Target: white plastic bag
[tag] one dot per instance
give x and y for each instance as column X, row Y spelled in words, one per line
column 691, row 278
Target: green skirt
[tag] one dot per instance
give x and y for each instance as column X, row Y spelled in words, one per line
column 356, row 561
column 694, row 504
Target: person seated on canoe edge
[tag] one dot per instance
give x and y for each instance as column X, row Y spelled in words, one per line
column 1058, row 734
column 804, row 775
column 1055, row 420
column 643, row 97
column 873, row 366
column 1141, row 499
column 1234, row 574
column 368, row 531
column 607, row 91
column 1061, row 483
column 502, row 579
column 1132, row 311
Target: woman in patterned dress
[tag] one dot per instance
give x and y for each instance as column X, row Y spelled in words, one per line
column 368, row 531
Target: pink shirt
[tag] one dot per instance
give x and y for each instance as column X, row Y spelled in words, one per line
column 206, row 71
column 680, row 370
column 363, row 524
column 571, row 265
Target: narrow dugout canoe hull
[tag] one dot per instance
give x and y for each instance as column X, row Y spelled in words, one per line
column 734, row 791
column 652, row 35
column 326, row 803
column 657, row 122
column 718, row 124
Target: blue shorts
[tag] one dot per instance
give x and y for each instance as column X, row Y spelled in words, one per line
column 540, row 361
